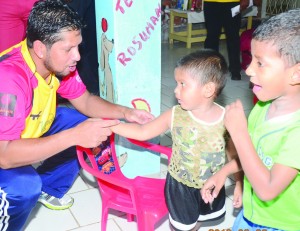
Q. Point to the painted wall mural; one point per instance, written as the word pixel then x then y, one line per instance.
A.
pixel 106 86
pixel 129 54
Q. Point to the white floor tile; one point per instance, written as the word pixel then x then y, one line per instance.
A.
pixel 163 225
pixel 92 227
pixel 87 206
pixel 165 140
pixel 45 219
pixel 79 185
pixel 111 226
pixel 124 224
pixel 88 179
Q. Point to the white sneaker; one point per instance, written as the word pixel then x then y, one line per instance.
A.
pixel 54 203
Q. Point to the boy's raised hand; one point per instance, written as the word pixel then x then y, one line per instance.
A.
pixel 235 119
pixel 138 116
pixel 238 195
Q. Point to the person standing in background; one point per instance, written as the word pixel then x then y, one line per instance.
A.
pixel 88 65
pixel 13 21
pixel 217 14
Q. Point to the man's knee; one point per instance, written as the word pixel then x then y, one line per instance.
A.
pixel 65 113
pixel 65 118
pixel 24 189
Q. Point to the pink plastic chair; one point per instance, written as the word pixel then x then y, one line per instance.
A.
pixel 142 197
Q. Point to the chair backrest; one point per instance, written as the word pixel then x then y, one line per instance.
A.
pixel 109 182
pixel 95 155
pixel 121 193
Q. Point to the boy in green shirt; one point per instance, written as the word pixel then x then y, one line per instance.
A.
pixel 268 145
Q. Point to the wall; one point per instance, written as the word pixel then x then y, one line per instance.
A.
pixel 129 53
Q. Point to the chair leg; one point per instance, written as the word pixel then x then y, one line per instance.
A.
pixel 189 36
pixel 130 217
pixel 145 223
pixel 104 218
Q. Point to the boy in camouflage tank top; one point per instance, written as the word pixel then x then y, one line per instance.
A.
pixel 199 139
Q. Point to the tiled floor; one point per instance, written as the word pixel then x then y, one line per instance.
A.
pixel 84 215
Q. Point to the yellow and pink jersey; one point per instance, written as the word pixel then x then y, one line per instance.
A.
pixel 27 101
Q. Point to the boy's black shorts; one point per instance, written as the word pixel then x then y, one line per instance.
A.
pixel 186 206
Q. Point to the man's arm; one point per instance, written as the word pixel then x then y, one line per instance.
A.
pixel 145 131
pixel 21 152
pixel 96 107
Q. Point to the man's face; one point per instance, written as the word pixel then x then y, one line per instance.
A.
pixel 62 57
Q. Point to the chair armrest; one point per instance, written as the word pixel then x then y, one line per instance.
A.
pixel 153 147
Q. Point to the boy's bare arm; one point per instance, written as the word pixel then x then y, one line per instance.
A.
pixel 144 131
pixel 232 155
pixel 238 189
pixel 267 183
pixel 238 176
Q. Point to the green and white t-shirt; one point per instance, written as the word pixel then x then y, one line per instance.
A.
pixel 276 141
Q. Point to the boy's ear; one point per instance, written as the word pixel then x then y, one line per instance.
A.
pixel 210 89
pixel 39 48
pixel 295 78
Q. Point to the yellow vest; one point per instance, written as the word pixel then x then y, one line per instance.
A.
pixel 43 108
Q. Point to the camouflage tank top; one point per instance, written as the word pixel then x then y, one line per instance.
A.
pixel 198 149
